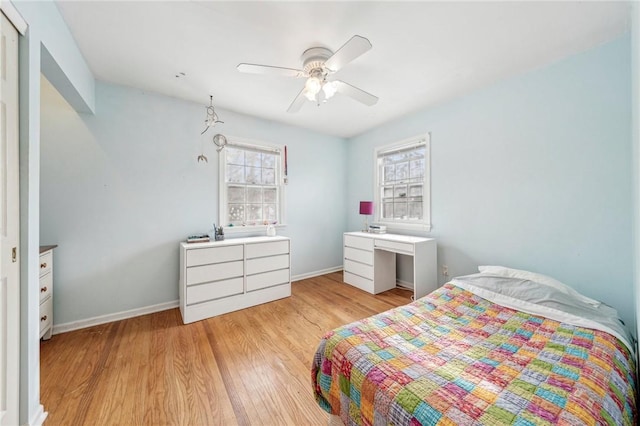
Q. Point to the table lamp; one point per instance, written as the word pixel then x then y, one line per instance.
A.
pixel 366 208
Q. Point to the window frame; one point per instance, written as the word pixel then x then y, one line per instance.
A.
pixel 250 144
pixel 378 170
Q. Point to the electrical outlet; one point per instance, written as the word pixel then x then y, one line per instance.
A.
pixel 445 270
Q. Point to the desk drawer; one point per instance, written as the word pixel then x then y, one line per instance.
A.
pixel 358 269
pixel 216 290
pixel 215 272
pixel 358 282
pixel 394 246
pixel 358 242
pixel 205 256
pixel 362 256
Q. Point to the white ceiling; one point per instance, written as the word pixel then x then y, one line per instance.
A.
pixel 423 53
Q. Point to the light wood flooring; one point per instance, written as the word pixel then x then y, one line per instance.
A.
pixel 250 367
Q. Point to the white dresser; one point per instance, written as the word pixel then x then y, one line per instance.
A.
pixel 46 291
pixel 370 261
pixel 225 276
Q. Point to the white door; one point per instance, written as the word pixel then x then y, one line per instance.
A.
pixel 9 226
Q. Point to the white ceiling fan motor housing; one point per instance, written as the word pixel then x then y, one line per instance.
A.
pixel 313 59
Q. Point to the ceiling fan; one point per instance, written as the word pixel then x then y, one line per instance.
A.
pixel 318 64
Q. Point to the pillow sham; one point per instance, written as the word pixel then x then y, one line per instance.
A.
pixel 539 278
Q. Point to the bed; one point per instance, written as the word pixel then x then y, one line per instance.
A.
pixel 488 349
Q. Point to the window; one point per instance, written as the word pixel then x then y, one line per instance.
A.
pixel 402 193
pixel 251 188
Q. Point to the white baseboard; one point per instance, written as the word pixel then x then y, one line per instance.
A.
pixel 316 273
pixel 103 319
pixel 405 284
pixel 38 418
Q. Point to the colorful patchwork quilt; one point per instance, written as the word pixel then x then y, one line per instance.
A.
pixel 454 358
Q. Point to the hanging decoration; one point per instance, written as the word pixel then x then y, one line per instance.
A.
pixel 212 118
pixel 219 140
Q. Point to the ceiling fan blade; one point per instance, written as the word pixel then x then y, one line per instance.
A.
pixel 355 47
pixel 297 102
pixel 357 94
pixel 269 70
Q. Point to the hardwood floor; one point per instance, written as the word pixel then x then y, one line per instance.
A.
pixel 250 367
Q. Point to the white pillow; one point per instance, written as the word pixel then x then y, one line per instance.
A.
pixel 539 278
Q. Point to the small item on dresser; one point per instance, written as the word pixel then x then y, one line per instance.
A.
pixel 198 238
pixel 271 230
pixel 378 229
pixel 219 233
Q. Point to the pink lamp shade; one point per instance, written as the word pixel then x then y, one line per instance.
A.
pixel 366 207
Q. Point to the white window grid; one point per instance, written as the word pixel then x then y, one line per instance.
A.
pixel 402 193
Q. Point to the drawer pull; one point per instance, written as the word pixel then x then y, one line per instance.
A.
pixel 43 265
pixel 43 289
pixel 44 318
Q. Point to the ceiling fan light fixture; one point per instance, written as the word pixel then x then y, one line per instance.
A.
pixel 329 88
pixel 310 95
pixel 313 85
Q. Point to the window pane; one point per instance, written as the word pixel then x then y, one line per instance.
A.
pixel 268 161
pixel 387 210
pixel 235 156
pixel 254 213
pixel 235 174
pixel 400 210
pixel 236 213
pixel 252 159
pixel 400 191
pixel 268 176
pixel 254 195
pixel 270 212
pixel 415 211
pixel 253 175
pixel 402 171
pixel 270 195
pixel 417 168
pixel 389 173
pixel 415 190
pixel 235 194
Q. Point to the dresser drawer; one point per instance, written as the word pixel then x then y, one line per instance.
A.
pixel 267 249
pixel 46 286
pixel 359 282
pixel 361 269
pixel 216 290
pixel 46 314
pixel 46 262
pixel 205 256
pixel 394 246
pixel 358 242
pixel 267 279
pixel 362 256
pixel 215 272
pixel 265 264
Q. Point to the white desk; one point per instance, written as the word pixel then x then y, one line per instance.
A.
pixel 370 261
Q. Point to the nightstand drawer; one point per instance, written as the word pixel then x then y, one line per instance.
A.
pixel 46 261
pixel 215 272
pixel 362 256
pixel 361 269
pixel 46 314
pixel 205 256
pixel 358 242
pixel 216 290
pixel 46 286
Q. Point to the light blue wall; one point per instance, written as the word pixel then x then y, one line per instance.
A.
pixel 635 102
pixel 532 172
pixel 120 190
pixel 46 47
